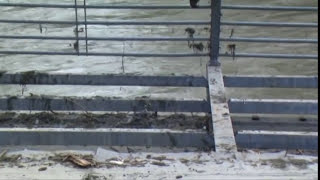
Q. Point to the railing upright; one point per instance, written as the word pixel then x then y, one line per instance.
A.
pixel 76 31
pixel 86 25
pixel 215 32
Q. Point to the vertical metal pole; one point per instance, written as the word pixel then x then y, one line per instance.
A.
pixel 76 46
pixel 215 32
pixel 85 24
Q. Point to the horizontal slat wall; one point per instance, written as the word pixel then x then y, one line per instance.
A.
pixel 105 137
pixel 101 104
pixel 154 137
pixel 276 106
pixel 289 124
pixel 276 140
pixel 271 81
pixel 186 81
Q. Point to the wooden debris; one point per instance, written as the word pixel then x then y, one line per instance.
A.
pixel 83 161
pixel 119 163
pixel 184 161
pixel 138 162
pixel 159 163
pixel 126 162
pixel 12 158
pixel 162 158
pixel 79 161
pixel 3 154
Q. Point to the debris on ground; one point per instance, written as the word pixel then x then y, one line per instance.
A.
pixel 91 176
pixel 2 154
pixel 83 161
pixel 6 158
pixel 88 120
pixel 143 165
pixel 119 163
pixel 79 161
pixel 178 177
pixel 278 163
pixel 184 161
pixel 42 169
pixel 138 162
pixel 159 163
pixel 162 158
pixel 129 162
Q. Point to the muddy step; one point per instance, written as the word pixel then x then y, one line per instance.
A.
pixel 109 120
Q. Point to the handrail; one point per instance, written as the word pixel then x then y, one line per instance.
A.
pixel 230 7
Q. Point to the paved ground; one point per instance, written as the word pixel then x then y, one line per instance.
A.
pixel 142 163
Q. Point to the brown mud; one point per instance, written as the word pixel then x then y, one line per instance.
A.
pixel 88 120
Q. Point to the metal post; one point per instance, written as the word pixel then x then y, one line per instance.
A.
pixel 76 31
pixel 86 26
pixel 215 32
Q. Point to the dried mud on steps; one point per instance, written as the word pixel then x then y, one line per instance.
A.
pixel 88 120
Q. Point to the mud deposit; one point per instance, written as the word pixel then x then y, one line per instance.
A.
pixel 88 120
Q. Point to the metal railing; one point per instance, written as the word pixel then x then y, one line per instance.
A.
pixel 214 44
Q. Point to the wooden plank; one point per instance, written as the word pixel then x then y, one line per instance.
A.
pixel 221 121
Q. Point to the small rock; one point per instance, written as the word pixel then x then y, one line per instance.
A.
pixel 42 169
pixel 178 177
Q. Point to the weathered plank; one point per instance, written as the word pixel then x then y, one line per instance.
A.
pixel 221 121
